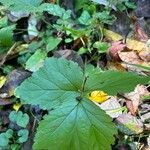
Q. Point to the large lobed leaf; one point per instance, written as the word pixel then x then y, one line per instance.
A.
pixel 74 123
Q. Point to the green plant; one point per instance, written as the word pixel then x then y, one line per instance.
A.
pixel 4 138
pixel 74 122
pixel 23 135
pixel 6 35
pixel 115 4
pixel 19 118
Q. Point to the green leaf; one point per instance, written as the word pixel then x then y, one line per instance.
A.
pixel 55 10
pixel 82 50
pixel 105 17
pixel 130 5
pixel 52 84
pixel 9 133
pixel 23 135
pixel 113 82
pixel 52 43
pixel 4 140
pixel 3 22
pixel 146 97
pixel 80 3
pixel 76 125
pixel 22 5
pixel 85 18
pixel 36 60
pixel 101 46
pixel 6 36
pixel 19 118
pixel 74 119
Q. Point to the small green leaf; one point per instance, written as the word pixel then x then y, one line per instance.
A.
pixel 23 135
pixel 68 40
pixel 36 60
pixel 85 18
pixel 55 10
pixel 105 17
pixel 3 140
pixel 130 5
pixel 121 6
pixel 82 50
pixel 52 43
pixel 102 47
pixel 19 118
pixel 9 133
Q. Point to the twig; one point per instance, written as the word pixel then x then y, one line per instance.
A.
pixel 8 53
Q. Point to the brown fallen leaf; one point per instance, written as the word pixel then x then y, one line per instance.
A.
pixel 134 98
pixel 13 80
pixel 129 57
pixel 139 32
pixel 145 53
pixel 115 48
pixel 4 119
pixel 4 102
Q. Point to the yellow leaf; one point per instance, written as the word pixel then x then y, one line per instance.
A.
pixel 2 80
pixel 17 106
pixel 98 96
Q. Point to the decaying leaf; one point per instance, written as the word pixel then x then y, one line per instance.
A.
pixel 112 107
pixel 36 60
pixel 13 80
pixel 145 54
pixel 134 98
pixel 15 16
pixel 139 33
pixel 115 48
pixel 4 101
pixel 130 57
pixel 129 124
pixel 145 117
